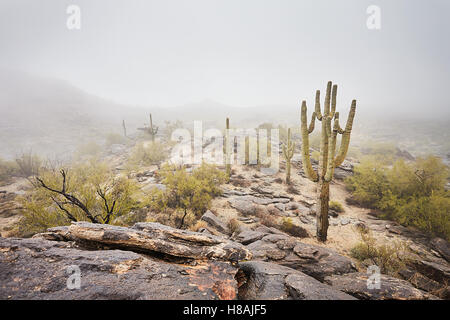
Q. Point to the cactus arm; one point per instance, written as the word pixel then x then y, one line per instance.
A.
pixel 317 106
pixel 306 159
pixel 312 123
pixel 337 125
pixel 326 108
pixel 333 100
pixel 331 149
pixel 346 136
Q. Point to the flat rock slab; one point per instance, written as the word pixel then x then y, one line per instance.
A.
pixel 313 260
pixel 38 269
pixel 268 281
pixel 153 238
pixel 211 219
pixel 249 236
pixel 356 285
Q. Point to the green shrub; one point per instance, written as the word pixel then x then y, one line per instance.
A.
pixel 336 206
pixel 391 259
pixel 92 183
pixel 234 226
pixel 187 193
pixel 412 193
pixel 288 226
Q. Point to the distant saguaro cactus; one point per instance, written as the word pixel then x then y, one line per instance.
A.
pixel 288 153
pixel 150 130
pixel 327 161
pixel 124 128
pixel 228 149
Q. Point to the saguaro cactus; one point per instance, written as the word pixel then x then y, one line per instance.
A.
pixel 228 149
pixel 124 128
pixel 152 130
pixel 288 153
pixel 328 159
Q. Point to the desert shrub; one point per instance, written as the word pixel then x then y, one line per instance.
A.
pixel 234 226
pixel 265 218
pixel 199 225
pixel 292 189
pixel 188 193
pixel 115 138
pixel 411 193
pixel 288 226
pixel 145 154
pixel 391 258
pixel 28 164
pixel 238 182
pixel 103 197
pixel 278 180
pixel 8 169
pixel 336 206
pixel 368 183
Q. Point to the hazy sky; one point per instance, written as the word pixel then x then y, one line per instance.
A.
pixel 238 52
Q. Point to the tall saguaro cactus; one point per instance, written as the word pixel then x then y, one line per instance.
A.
pixel 328 160
pixel 288 153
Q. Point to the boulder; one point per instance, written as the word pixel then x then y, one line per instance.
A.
pixel 211 219
pixel 258 280
pixel 245 207
pixel 41 269
pixel 153 238
pixel 356 285
pixel 249 236
pixel 315 261
pixel 442 246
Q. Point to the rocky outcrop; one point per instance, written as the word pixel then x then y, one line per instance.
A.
pixel 313 260
pixel 211 219
pixel 259 280
pixel 40 269
pixel 442 246
pixel 152 238
pixel 356 285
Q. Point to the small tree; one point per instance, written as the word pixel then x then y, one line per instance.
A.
pixel 85 192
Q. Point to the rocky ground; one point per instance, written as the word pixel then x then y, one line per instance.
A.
pixel 262 261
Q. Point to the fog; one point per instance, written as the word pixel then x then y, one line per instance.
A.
pixel 251 60
pixel 239 53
